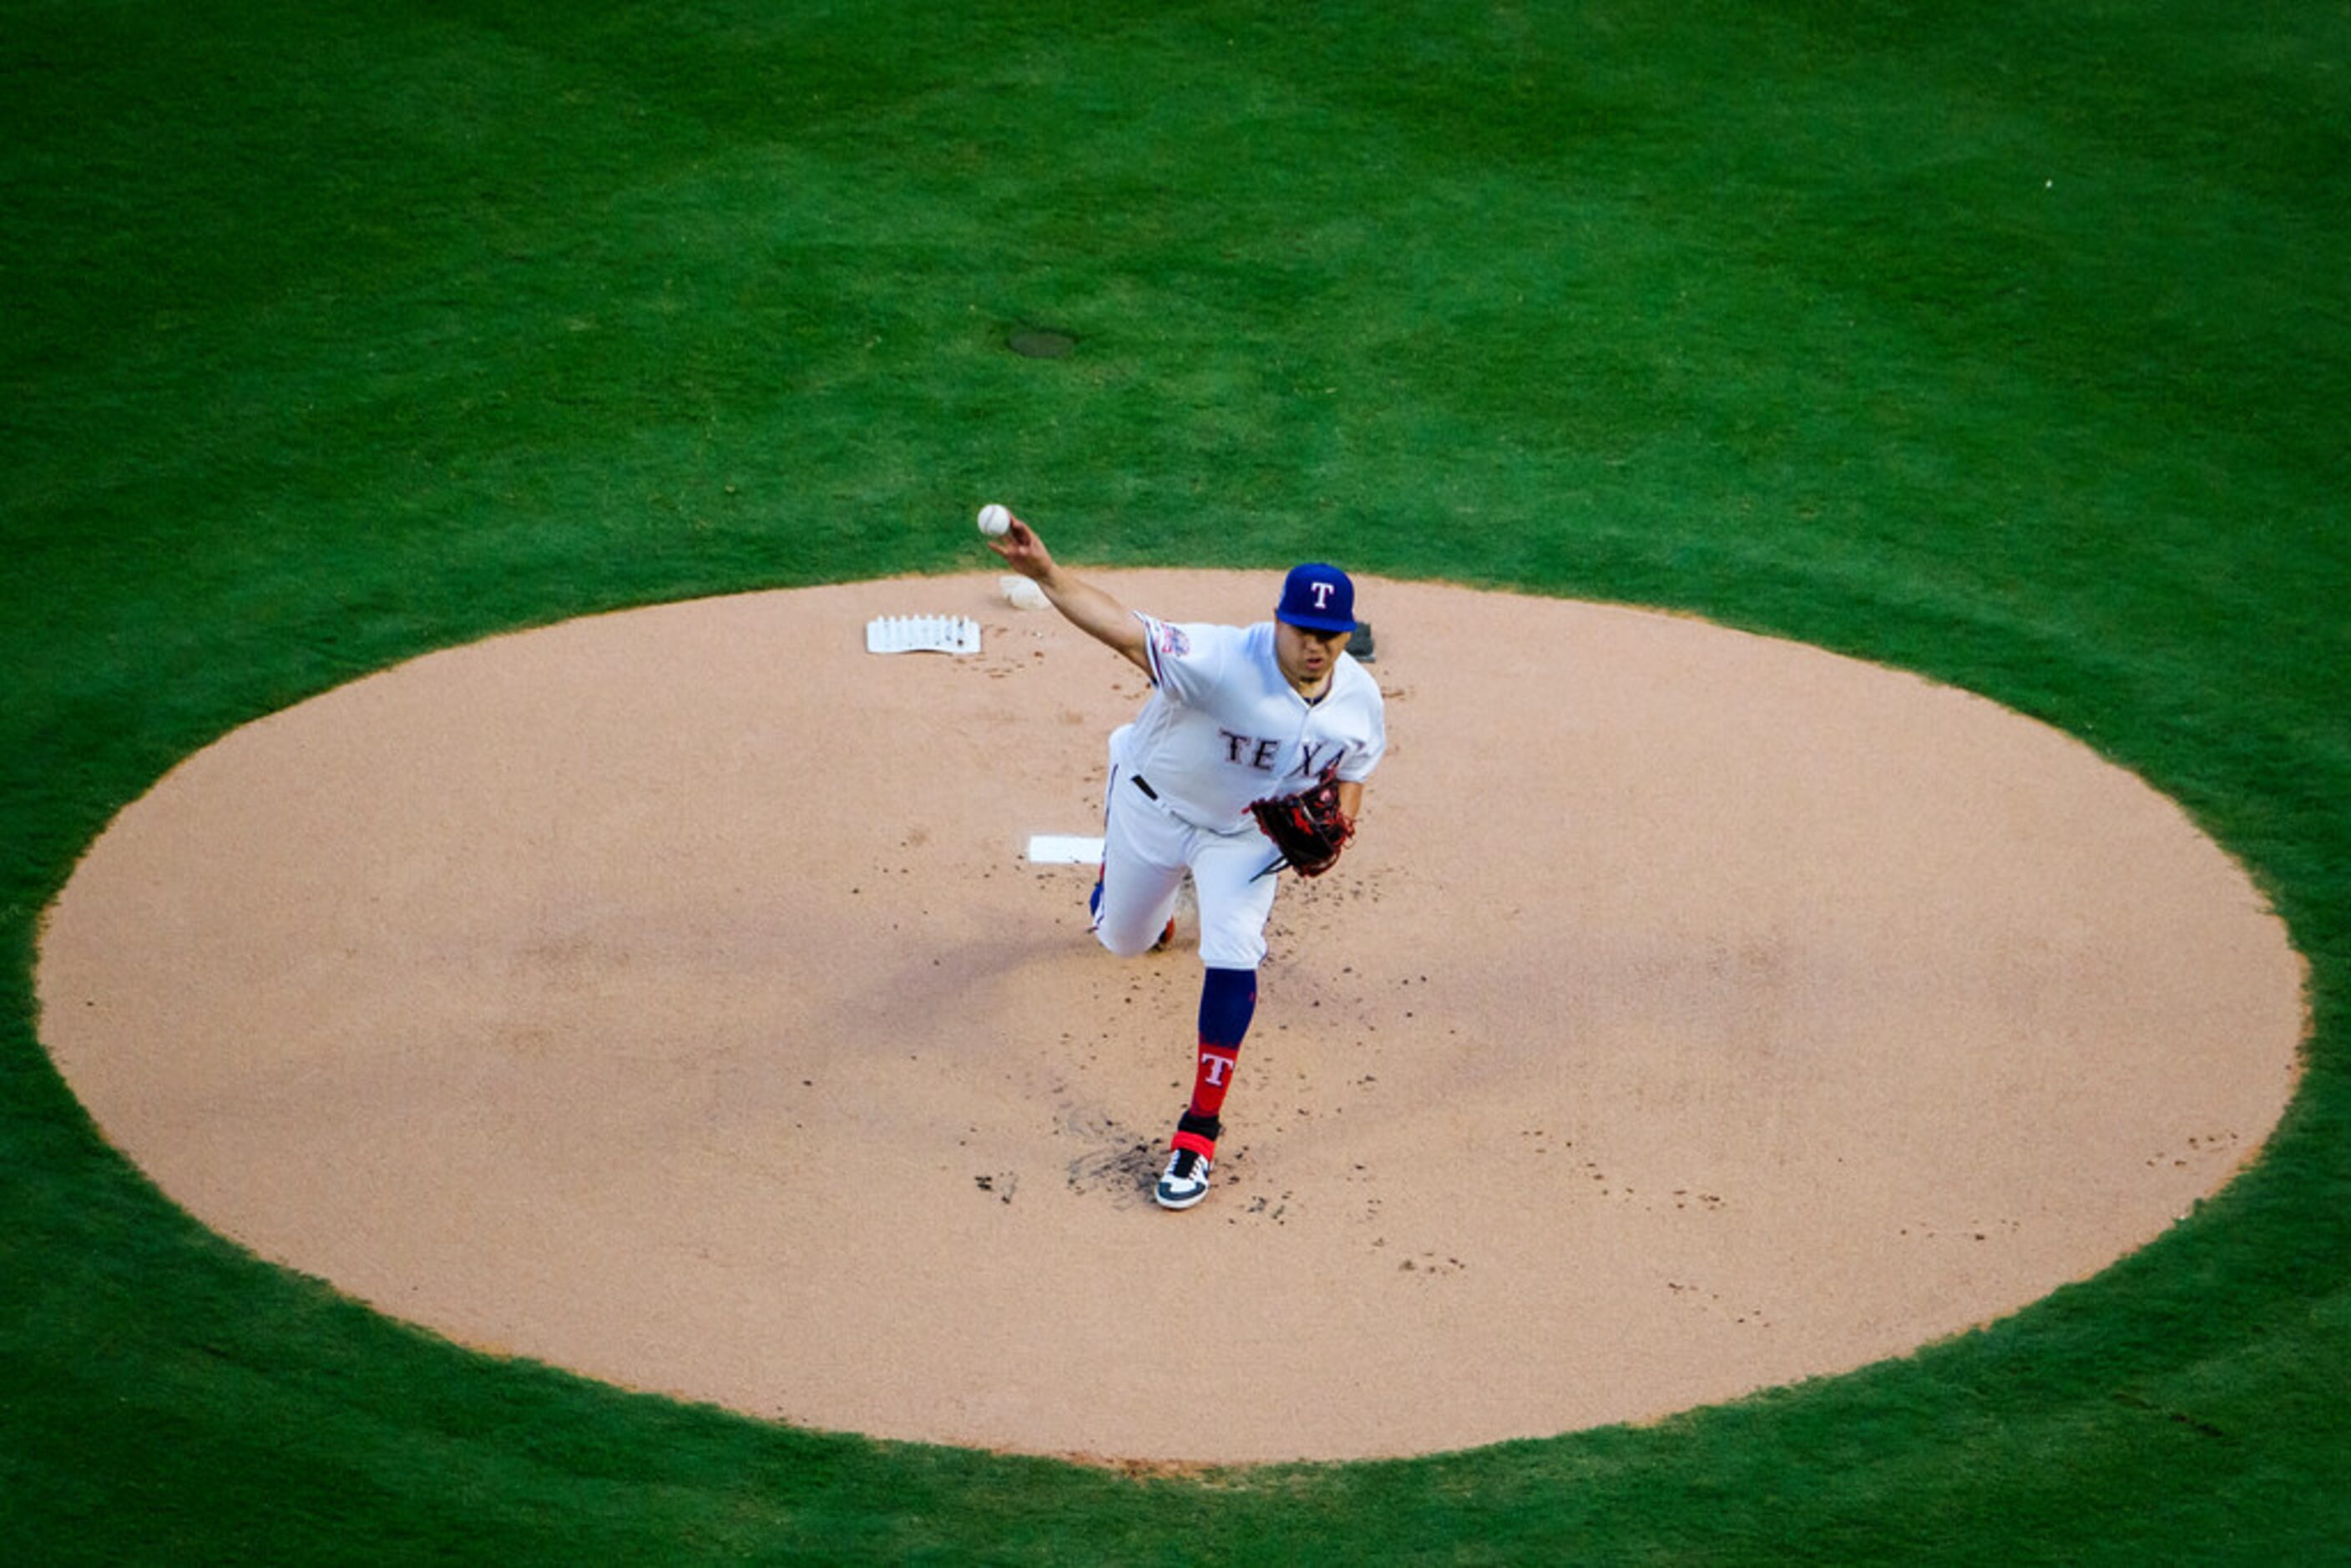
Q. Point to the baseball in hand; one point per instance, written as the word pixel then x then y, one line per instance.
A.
pixel 994 519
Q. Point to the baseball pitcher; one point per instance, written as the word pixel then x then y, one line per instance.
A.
pixel 1248 758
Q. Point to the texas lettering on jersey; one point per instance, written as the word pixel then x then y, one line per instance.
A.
pixel 1252 751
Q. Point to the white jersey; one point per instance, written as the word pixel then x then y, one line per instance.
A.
pixel 1223 728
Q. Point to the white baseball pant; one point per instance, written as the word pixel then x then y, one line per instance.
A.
pixel 1147 849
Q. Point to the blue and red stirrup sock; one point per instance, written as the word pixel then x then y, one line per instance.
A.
pixel 1227 1003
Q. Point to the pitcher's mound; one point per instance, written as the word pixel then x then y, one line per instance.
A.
pixel 667 996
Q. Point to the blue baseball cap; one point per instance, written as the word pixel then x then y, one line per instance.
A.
pixel 1318 597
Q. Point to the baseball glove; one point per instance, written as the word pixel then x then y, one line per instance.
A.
pixel 1308 828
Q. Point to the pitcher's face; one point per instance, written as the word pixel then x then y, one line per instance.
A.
pixel 1305 656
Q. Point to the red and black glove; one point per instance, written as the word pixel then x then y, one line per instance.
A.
pixel 1308 828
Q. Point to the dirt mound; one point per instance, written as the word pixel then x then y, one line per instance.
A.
pixel 667 995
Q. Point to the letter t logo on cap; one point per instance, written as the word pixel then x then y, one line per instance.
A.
pixel 1318 597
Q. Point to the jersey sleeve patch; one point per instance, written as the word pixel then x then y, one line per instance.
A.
pixel 1187 661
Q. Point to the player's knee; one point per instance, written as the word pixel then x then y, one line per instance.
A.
pixel 1232 950
pixel 1124 944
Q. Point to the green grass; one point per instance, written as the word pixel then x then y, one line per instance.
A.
pixel 2006 344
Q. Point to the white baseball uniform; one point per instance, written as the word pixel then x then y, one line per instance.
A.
pixel 1221 729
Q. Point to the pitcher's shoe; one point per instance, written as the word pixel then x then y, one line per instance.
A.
pixel 1185 1181
pixel 1192 1154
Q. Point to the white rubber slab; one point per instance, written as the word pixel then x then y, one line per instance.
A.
pixel 1060 849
